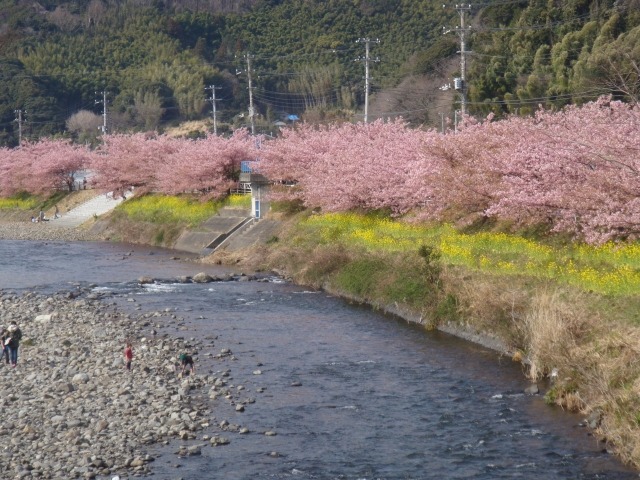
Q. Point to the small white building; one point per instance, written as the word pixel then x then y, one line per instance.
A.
pixel 259 188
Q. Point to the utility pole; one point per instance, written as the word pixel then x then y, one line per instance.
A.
pixel 367 78
pixel 19 120
pixel 104 110
pixel 213 89
pixel 460 84
pixel 251 110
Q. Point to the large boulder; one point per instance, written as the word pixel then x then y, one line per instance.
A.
pixel 202 278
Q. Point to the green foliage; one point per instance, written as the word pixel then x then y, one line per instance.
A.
pixel 447 309
pixel 155 60
pixel 53 199
pixel 34 96
pixel 159 237
pixel 427 60
pixel 304 49
pixel 551 396
pixel 360 277
pixel 552 55
pixel 290 207
pixel 431 267
pixel 409 288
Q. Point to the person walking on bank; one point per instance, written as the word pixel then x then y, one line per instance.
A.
pixel 15 335
pixel 128 355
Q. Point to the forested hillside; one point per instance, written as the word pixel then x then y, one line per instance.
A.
pixel 158 63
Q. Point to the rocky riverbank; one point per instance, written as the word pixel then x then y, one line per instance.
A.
pixel 44 231
pixel 70 407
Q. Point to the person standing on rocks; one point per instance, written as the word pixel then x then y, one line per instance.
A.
pixel 186 360
pixel 4 338
pixel 13 342
pixel 128 355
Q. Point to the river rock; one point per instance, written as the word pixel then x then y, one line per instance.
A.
pixel 80 378
pixel 202 278
pixel 594 419
pixel 190 451
pixel 217 441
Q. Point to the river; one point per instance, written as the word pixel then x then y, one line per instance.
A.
pixel 350 393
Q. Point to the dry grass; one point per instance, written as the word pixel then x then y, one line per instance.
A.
pixel 596 359
pixel 490 303
pixel 118 228
pixel 552 327
pixel 186 127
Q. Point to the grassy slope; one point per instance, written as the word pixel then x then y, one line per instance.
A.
pixel 21 209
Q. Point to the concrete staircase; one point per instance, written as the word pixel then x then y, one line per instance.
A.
pixel 214 231
pixel 255 231
pixel 97 206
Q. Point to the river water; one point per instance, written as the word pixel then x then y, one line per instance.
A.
pixel 351 393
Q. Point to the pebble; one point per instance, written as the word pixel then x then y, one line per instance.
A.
pixel 45 232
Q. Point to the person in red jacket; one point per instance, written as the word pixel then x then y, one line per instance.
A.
pixel 128 355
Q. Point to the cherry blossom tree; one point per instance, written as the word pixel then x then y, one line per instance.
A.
pixel 158 163
pixel 576 170
pixel 41 168
pixel 209 166
pixel 579 169
pixel 347 166
pixel 124 161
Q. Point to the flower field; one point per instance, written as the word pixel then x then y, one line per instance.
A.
pixel 608 269
pixel 27 203
pixel 162 209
